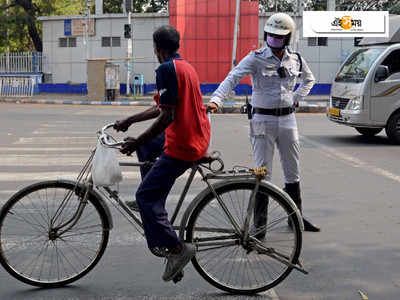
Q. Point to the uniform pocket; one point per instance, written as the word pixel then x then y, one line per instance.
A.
pixel 294 72
pixel 269 70
pixel 256 129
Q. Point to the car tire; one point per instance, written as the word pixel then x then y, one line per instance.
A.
pixel 393 128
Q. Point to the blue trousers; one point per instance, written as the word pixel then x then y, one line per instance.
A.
pixel 149 152
pixel 151 196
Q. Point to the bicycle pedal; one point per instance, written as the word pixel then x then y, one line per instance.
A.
pixel 178 277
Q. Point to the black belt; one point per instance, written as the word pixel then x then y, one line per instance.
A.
pixel 273 111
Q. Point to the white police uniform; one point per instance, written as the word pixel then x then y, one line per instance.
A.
pixel 270 91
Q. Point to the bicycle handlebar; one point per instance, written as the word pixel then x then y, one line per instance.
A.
pixel 106 138
pixel 105 141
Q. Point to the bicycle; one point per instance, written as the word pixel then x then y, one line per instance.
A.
pixel 52 233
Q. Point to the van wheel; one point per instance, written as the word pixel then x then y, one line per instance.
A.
pixel 393 128
pixel 368 131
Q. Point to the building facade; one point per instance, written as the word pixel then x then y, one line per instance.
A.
pixel 66 50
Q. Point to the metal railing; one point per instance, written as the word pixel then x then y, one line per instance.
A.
pixel 17 86
pixel 21 62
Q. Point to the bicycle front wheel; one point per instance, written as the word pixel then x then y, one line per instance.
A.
pixel 34 252
pixel 224 258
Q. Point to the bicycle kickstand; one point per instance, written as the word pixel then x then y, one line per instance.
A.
pixel 178 277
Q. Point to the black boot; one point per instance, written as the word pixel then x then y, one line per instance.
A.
pixel 293 189
pixel 260 216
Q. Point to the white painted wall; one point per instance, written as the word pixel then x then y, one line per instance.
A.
pixel 69 64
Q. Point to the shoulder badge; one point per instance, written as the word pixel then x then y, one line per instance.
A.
pixel 260 51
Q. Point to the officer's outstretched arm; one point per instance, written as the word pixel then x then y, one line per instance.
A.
pixel 246 66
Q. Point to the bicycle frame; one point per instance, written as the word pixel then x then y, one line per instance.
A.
pixel 226 175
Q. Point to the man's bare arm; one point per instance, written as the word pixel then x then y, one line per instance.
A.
pixel 165 118
pixel 124 124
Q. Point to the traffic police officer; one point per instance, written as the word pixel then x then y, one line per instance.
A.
pixel 273 71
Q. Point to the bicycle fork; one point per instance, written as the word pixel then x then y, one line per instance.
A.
pixel 74 219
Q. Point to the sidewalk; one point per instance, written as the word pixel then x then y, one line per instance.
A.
pixel 313 103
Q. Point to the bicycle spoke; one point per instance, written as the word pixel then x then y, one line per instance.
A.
pixel 21 243
pixel 24 220
pixel 75 229
pixel 227 260
pixel 38 210
pixel 35 259
pixel 75 253
pixel 81 244
pixel 80 233
pixel 41 254
pixel 66 259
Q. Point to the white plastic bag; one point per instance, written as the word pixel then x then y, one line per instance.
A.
pixel 105 166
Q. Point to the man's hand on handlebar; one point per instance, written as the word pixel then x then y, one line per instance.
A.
pixel 211 107
pixel 129 146
pixel 122 125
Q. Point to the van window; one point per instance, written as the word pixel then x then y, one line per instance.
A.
pixel 357 65
pixel 393 62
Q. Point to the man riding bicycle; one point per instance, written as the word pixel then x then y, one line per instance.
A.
pixel 181 115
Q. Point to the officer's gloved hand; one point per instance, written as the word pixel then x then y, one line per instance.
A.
pixel 211 107
pixel 296 100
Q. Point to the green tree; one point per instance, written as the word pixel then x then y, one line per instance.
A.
pixel 156 5
pixel 278 5
pixel 393 6
pixel 315 5
pixel 18 18
pixel 139 6
pixel 112 6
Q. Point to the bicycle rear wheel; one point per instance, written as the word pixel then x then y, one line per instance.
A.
pixel 30 249
pixel 228 263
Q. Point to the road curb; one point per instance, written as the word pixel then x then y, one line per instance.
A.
pixel 229 107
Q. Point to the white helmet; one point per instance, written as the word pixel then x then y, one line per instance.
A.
pixel 281 24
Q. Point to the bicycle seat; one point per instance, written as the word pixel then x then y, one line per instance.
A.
pixel 206 159
pixel 209 158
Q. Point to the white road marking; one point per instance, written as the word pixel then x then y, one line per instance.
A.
pixel 8 192
pixel 62 140
pixel 126 112
pixel 271 293
pixel 39 176
pixel 353 161
pixel 61 132
pixel 53 159
pixel 42 149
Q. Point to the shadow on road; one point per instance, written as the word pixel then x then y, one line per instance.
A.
pixel 352 140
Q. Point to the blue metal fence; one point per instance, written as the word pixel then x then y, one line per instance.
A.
pixel 19 84
pixel 21 62
pixel 206 89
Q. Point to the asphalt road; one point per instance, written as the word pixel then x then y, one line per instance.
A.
pixel 350 188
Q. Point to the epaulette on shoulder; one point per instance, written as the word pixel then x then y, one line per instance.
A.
pixel 260 51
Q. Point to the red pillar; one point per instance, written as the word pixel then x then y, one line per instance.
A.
pixel 206 29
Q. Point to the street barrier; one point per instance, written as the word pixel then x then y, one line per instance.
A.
pixel 11 86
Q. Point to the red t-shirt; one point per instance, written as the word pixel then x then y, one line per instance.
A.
pixel 188 136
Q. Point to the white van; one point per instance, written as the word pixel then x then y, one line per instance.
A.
pixel 365 93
